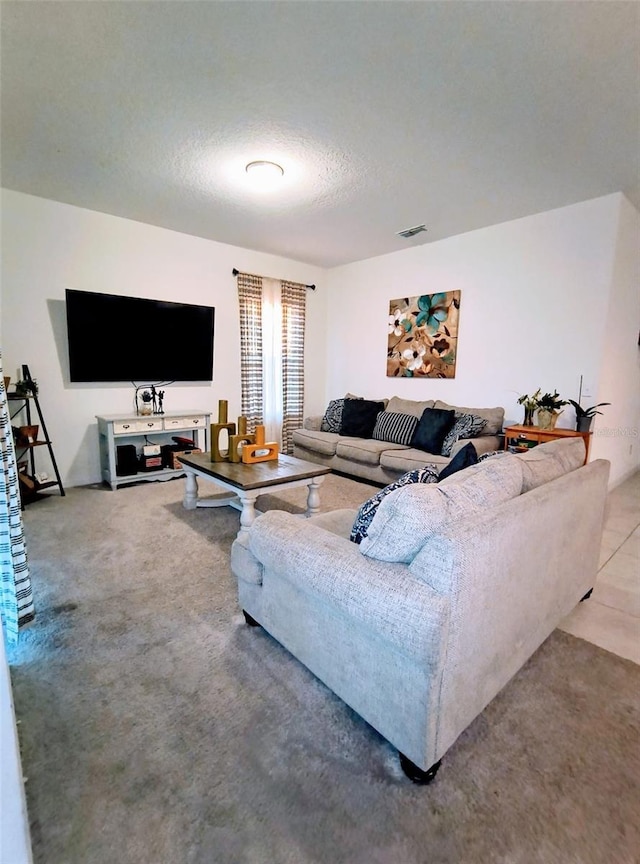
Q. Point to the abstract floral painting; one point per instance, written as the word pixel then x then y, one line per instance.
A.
pixel 423 336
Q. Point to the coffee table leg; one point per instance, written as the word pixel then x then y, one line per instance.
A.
pixel 248 512
pixel 313 498
pixel 190 500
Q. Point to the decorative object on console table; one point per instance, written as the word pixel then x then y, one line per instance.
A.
pixel 243 437
pixel 529 403
pixel 254 452
pixel 549 407
pixel 585 416
pixel 216 431
pixel 522 437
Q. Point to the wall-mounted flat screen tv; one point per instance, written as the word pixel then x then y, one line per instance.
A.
pixel 115 338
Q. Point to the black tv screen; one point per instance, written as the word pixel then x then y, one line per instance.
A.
pixel 115 338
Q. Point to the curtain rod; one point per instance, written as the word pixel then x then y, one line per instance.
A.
pixel 237 272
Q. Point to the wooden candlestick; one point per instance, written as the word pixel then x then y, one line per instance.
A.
pixel 217 455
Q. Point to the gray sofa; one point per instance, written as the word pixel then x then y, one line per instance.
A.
pixel 452 590
pixel 383 462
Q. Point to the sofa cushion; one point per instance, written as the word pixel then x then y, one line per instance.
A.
pixel 465 426
pixel 364 450
pixel 332 420
pixel 408 406
pixel 407 517
pixel 432 429
pixel 546 462
pixel 403 459
pixel 395 427
pixel 464 458
pixel 493 416
pixel 359 417
pixel 367 511
pixel 324 443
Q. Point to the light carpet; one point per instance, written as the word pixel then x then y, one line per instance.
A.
pixel 157 728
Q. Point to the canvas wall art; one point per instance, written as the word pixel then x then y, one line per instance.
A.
pixel 423 336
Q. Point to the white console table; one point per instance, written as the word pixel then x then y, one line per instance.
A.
pixel 117 429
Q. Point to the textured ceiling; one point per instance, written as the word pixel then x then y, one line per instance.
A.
pixel 384 115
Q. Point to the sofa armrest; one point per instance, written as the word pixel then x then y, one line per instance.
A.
pixel 312 423
pixel 483 444
pixel 386 598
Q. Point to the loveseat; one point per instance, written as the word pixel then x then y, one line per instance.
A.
pixel 383 461
pixel 453 588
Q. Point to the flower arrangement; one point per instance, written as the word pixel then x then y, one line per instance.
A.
pixel 551 401
pixel 530 403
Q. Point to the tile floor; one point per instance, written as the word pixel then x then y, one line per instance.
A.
pixel 611 617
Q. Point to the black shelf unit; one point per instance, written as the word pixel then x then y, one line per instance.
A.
pixel 19 403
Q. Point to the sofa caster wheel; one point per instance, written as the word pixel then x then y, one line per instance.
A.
pixel 587 595
pixel 417 775
pixel 250 621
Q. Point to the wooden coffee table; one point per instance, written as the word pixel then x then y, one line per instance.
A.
pixel 245 482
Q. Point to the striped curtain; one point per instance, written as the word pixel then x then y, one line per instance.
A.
pixel 255 359
pixel 16 597
pixel 250 300
pixel 294 299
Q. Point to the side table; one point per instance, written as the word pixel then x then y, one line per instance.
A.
pixel 515 434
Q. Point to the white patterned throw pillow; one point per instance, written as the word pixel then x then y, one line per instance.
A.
pixel 428 474
pixel 332 420
pixel 465 426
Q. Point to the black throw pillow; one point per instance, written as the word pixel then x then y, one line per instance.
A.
pixel 464 458
pixel 359 417
pixel 432 428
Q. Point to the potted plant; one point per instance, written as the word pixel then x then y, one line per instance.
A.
pixel 584 416
pixel 549 409
pixel 529 403
pixel 27 387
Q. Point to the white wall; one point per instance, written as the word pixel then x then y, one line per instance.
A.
pixel 617 431
pixel 536 294
pixel 545 299
pixel 47 247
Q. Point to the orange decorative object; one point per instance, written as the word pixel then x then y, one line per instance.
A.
pixel 256 452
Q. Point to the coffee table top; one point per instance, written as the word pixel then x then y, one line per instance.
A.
pixel 257 475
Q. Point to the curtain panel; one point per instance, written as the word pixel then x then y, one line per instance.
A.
pixel 16 596
pixel 250 302
pixel 272 329
pixel 294 300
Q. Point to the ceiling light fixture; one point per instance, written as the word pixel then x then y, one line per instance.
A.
pixel 264 173
pixel 411 232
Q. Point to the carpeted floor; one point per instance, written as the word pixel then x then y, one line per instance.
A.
pixel 157 728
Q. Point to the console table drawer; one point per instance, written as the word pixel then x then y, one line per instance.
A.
pixel 185 423
pixel 125 427
pixel 133 427
pixel 150 425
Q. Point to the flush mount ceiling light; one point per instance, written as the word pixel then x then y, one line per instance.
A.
pixel 411 232
pixel 263 173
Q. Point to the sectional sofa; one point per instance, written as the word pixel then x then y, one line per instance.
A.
pixel 454 587
pixel 383 462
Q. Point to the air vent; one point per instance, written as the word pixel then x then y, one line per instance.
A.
pixel 411 232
